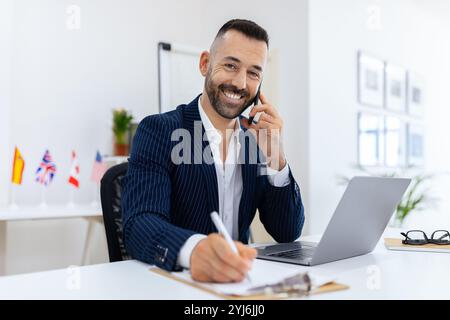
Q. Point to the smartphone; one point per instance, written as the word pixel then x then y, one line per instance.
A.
pixel 255 102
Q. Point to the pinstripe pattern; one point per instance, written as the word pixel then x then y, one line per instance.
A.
pixel 164 204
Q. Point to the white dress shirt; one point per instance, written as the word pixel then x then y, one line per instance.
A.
pixel 229 183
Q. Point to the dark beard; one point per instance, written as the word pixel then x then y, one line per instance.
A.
pixel 222 108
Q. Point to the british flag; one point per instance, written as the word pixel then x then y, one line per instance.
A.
pixel 46 170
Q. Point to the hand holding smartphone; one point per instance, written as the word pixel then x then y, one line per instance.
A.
pixel 255 102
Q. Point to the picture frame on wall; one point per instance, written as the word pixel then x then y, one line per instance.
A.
pixel 415 95
pixel 370 139
pixel 395 142
pixel 416 144
pixel 396 88
pixel 370 80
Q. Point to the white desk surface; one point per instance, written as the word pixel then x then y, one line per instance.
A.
pixel 49 212
pixel 382 274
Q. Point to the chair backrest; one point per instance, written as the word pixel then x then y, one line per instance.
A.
pixel 111 191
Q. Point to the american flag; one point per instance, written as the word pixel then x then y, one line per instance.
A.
pixel 46 170
pixel 99 168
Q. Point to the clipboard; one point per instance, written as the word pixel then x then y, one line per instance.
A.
pixel 329 287
pixel 396 244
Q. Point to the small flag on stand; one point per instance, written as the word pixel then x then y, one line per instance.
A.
pixel 74 171
pixel 46 170
pixel 99 168
pixel 18 167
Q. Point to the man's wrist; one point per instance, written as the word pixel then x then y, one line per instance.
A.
pixel 279 178
pixel 279 164
pixel 184 256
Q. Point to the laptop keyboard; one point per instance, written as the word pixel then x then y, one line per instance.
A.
pixel 299 253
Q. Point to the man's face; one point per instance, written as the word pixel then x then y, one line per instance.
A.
pixel 234 73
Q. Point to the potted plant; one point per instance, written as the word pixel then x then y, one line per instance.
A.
pixel 121 125
pixel 414 199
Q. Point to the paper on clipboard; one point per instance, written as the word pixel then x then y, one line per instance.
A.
pixel 263 273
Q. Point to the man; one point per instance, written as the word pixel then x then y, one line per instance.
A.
pixel 167 203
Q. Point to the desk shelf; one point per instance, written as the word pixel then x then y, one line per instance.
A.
pixel 29 212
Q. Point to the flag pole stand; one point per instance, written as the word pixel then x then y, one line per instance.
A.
pixel 95 202
pixel 13 205
pixel 71 203
pixel 43 204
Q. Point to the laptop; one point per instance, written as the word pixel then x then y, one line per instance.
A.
pixel 355 228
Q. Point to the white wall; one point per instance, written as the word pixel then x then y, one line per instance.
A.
pixel 5 94
pixel 413 34
pixel 65 83
pixel 436 60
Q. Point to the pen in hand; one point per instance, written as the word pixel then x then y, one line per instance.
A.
pixel 223 231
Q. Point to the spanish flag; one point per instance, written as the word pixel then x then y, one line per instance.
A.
pixel 18 166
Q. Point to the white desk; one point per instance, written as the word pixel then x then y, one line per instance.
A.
pixel 382 274
pixel 93 214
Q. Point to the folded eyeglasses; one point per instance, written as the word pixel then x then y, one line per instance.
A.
pixel 418 237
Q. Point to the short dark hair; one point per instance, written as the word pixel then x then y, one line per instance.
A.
pixel 246 27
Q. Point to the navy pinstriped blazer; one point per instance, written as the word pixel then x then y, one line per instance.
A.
pixel 163 203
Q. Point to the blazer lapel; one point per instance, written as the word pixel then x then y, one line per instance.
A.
pixel 249 173
pixel 192 122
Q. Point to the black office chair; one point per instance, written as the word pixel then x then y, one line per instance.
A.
pixel 110 191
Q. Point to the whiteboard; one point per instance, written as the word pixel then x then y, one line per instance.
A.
pixel 180 80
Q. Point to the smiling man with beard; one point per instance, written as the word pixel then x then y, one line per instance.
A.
pixel 166 205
